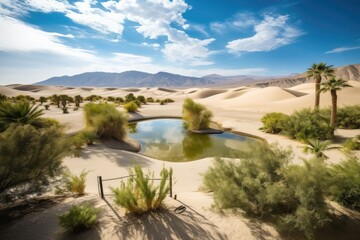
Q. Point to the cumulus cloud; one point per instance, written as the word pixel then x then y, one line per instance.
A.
pixel 271 33
pixel 343 49
pixel 192 52
pixel 12 40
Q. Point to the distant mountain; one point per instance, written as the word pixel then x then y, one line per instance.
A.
pixel 349 72
pixel 126 79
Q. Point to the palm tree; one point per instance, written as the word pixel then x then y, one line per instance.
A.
pixel 318 71
pixel 317 147
pixel 19 113
pixel 333 85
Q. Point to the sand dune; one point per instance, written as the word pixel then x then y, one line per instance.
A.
pixel 205 93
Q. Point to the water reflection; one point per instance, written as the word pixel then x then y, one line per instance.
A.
pixel 166 139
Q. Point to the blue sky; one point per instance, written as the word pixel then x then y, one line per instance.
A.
pixel 45 38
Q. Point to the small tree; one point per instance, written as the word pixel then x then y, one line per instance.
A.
pixel 42 99
pixel 78 99
pixel 130 97
pixel 56 100
pixel 64 99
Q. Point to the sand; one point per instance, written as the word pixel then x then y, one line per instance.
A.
pixel 238 108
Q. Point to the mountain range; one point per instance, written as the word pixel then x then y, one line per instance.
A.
pixel 165 79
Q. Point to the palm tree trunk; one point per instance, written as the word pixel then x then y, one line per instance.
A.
pixel 317 93
pixel 333 111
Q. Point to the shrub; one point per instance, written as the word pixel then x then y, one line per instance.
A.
pixel 3 97
pixel 141 99
pixel 308 124
pixel 162 102
pixel 150 100
pixel 130 97
pixel 31 156
pixel 105 120
pixel 263 183
pixel 65 110
pixel 274 122
pixel 139 195
pixel 349 117
pixel 345 185
pixel 79 218
pixel 76 184
pixel 352 144
pixel 76 108
pixel 47 107
pixel 196 115
pixel 168 100
pixel 131 106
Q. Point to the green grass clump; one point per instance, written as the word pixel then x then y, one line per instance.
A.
pixel 76 183
pixel 131 106
pixel 352 144
pixel 79 218
pixel 196 115
pixel 274 122
pixel 139 194
pixel 104 120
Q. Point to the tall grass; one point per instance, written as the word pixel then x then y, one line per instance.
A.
pixel 76 183
pixel 196 115
pixel 105 120
pixel 140 194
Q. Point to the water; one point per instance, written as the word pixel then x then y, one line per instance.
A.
pixel 166 139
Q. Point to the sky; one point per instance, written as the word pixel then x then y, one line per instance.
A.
pixel 40 39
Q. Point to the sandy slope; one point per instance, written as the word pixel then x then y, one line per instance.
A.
pixel 238 108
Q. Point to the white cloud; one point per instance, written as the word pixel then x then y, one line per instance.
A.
pixel 153 45
pixel 131 59
pixel 13 32
pixel 238 22
pixel 271 33
pixel 191 52
pixel 343 49
pixel 48 6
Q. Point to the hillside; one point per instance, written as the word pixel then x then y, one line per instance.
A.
pixel 349 72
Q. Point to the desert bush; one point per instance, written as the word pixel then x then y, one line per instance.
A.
pixel 349 117
pixel 196 115
pixel 3 97
pixel 308 124
pixel 309 184
pixel 42 99
pixel 141 99
pixel 110 99
pixel 263 183
pixel 131 106
pixel 150 100
pixel 105 120
pixel 352 144
pixel 79 218
pixel 76 183
pixel 65 110
pixel 130 97
pixel 345 182
pixel 274 122
pixel 168 100
pixel 139 194
pixel 162 102
pixel 31 156
pixel 47 107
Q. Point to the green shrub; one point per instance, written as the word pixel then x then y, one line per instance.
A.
pixel 141 99
pixel 47 107
pixel 196 115
pixel 352 144
pixel 349 117
pixel 105 120
pixel 162 102
pixel 168 100
pixel 150 100
pixel 139 194
pixel 79 218
pixel 308 124
pixel 263 183
pixel 274 122
pixel 309 184
pixel 76 184
pixel 345 182
pixel 130 97
pixel 31 155
pixel 65 110
pixel 131 106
